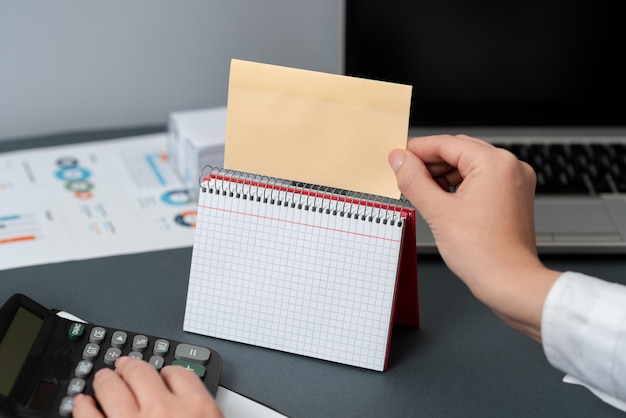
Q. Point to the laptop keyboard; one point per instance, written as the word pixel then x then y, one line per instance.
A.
pixel 577 169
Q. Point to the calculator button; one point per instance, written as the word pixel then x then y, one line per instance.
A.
pixel 157 362
pixel 67 404
pixel 77 385
pixel 161 346
pixel 136 354
pixel 118 339
pixel 91 351
pixel 76 331
pixel 140 342
pixel 97 335
pixel 83 369
pixel 112 354
pixel 192 352
pixel 197 368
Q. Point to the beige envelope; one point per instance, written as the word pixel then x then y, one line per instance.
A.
pixel 313 127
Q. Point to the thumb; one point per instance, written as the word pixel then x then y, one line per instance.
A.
pixel 415 181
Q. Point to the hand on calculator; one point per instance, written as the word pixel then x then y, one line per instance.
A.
pixel 135 389
pixel 50 362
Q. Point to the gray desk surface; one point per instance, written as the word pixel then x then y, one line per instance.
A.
pixel 463 362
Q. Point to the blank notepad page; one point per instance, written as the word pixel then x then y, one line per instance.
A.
pixel 294 270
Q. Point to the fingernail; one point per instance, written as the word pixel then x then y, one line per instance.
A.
pixel 121 360
pixel 396 159
pixel 78 397
pixel 99 372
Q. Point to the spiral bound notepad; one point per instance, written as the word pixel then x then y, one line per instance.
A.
pixel 300 268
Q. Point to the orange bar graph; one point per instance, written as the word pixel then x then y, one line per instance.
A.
pixel 17 239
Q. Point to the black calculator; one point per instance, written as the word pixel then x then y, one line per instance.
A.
pixel 45 359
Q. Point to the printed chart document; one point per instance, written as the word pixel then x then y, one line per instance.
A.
pixel 91 200
pixel 234 405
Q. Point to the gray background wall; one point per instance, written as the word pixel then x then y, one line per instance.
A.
pixel 73 64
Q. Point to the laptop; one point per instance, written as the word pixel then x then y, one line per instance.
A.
pixel 539 77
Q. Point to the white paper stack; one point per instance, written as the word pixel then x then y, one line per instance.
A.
pixel 196 138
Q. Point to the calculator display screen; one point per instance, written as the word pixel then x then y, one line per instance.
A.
pixel 15 346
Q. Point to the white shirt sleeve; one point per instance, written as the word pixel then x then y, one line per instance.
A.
pixel 583 328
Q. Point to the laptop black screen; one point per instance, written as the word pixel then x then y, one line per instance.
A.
pixel 530 63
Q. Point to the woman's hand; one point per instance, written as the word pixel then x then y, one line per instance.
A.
pixel 484 230
pixel 135 389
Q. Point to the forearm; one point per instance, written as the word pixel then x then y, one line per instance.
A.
pixel 516 293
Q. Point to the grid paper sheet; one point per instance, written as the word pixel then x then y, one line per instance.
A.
pixel 299 280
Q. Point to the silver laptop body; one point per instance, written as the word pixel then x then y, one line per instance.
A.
pixel 534 72
pixel 564 223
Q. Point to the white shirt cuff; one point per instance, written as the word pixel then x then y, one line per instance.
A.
pixel 583 330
